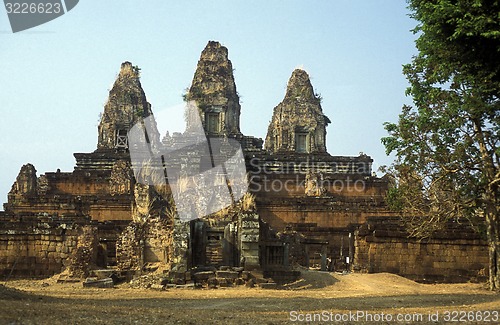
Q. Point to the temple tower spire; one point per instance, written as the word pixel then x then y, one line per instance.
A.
pixel 126 106
pixel 298 123
pixel 214 91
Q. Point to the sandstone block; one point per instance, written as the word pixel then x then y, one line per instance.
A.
pixel 270 285
pixel 203 276
pixel 227 274
pixel 93 283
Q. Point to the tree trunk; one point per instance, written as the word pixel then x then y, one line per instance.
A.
pixel 494 251
pixel 491 209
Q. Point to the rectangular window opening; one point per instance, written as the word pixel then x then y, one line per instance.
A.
pixel 121 139
pixel 301 142
pixel 212 121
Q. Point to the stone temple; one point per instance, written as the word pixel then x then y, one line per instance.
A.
pixel 304 207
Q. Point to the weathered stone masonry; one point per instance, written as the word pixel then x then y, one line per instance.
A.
pixel 306 206
pixel 42 245
pixel 458 254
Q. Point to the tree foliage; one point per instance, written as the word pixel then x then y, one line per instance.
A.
pixel 447 145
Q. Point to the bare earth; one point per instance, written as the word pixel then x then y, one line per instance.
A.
pixel 327 298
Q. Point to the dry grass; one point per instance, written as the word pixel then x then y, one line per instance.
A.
pixel 248 202
pixel 70 303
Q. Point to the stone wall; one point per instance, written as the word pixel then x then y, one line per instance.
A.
pixel 457 254
pixel 84 257
pixel 320 199
pixel 91 192
pixel 41 245
pixel 147 242
pixel 32 246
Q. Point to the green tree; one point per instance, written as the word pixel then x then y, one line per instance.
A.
pixel 446 146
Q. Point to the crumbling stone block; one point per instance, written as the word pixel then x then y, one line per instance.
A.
pixel 250 283
pixel 158 287
pixel 95 283
pixel 224 283
pixel 227 274
pixel 203 276
pixel 212 283
pixel 246 275
pixel 268 285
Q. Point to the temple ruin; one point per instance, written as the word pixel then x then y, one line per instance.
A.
pixel 304 206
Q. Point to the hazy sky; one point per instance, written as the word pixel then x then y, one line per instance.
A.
pixel 55 78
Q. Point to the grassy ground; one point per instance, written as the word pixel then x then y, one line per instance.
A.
pixel 326 298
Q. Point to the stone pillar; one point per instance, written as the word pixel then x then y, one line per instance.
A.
pixel 306 248
pixel 249 240
pixel 230 253
pixel 182 237
pixel 323 257
pixel 286 252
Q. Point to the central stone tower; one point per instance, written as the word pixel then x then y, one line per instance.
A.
pixel 214 91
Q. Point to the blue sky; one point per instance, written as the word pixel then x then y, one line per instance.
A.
pixel 55 78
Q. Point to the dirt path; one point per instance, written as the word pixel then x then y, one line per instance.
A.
pixel 334 298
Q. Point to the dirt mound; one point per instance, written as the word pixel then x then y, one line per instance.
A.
pixel 377 284
pixel 311 279
pixel 356 283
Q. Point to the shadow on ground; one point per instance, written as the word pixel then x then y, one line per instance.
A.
pixel 17 307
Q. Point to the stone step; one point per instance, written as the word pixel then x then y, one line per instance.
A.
pixel 227 274
pixel 268 285
pixel 203 276
pixel 95 283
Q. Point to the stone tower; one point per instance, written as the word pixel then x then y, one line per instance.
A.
pixel 126 106
pixel 214 91
pixel 26 185
pixel 298 123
